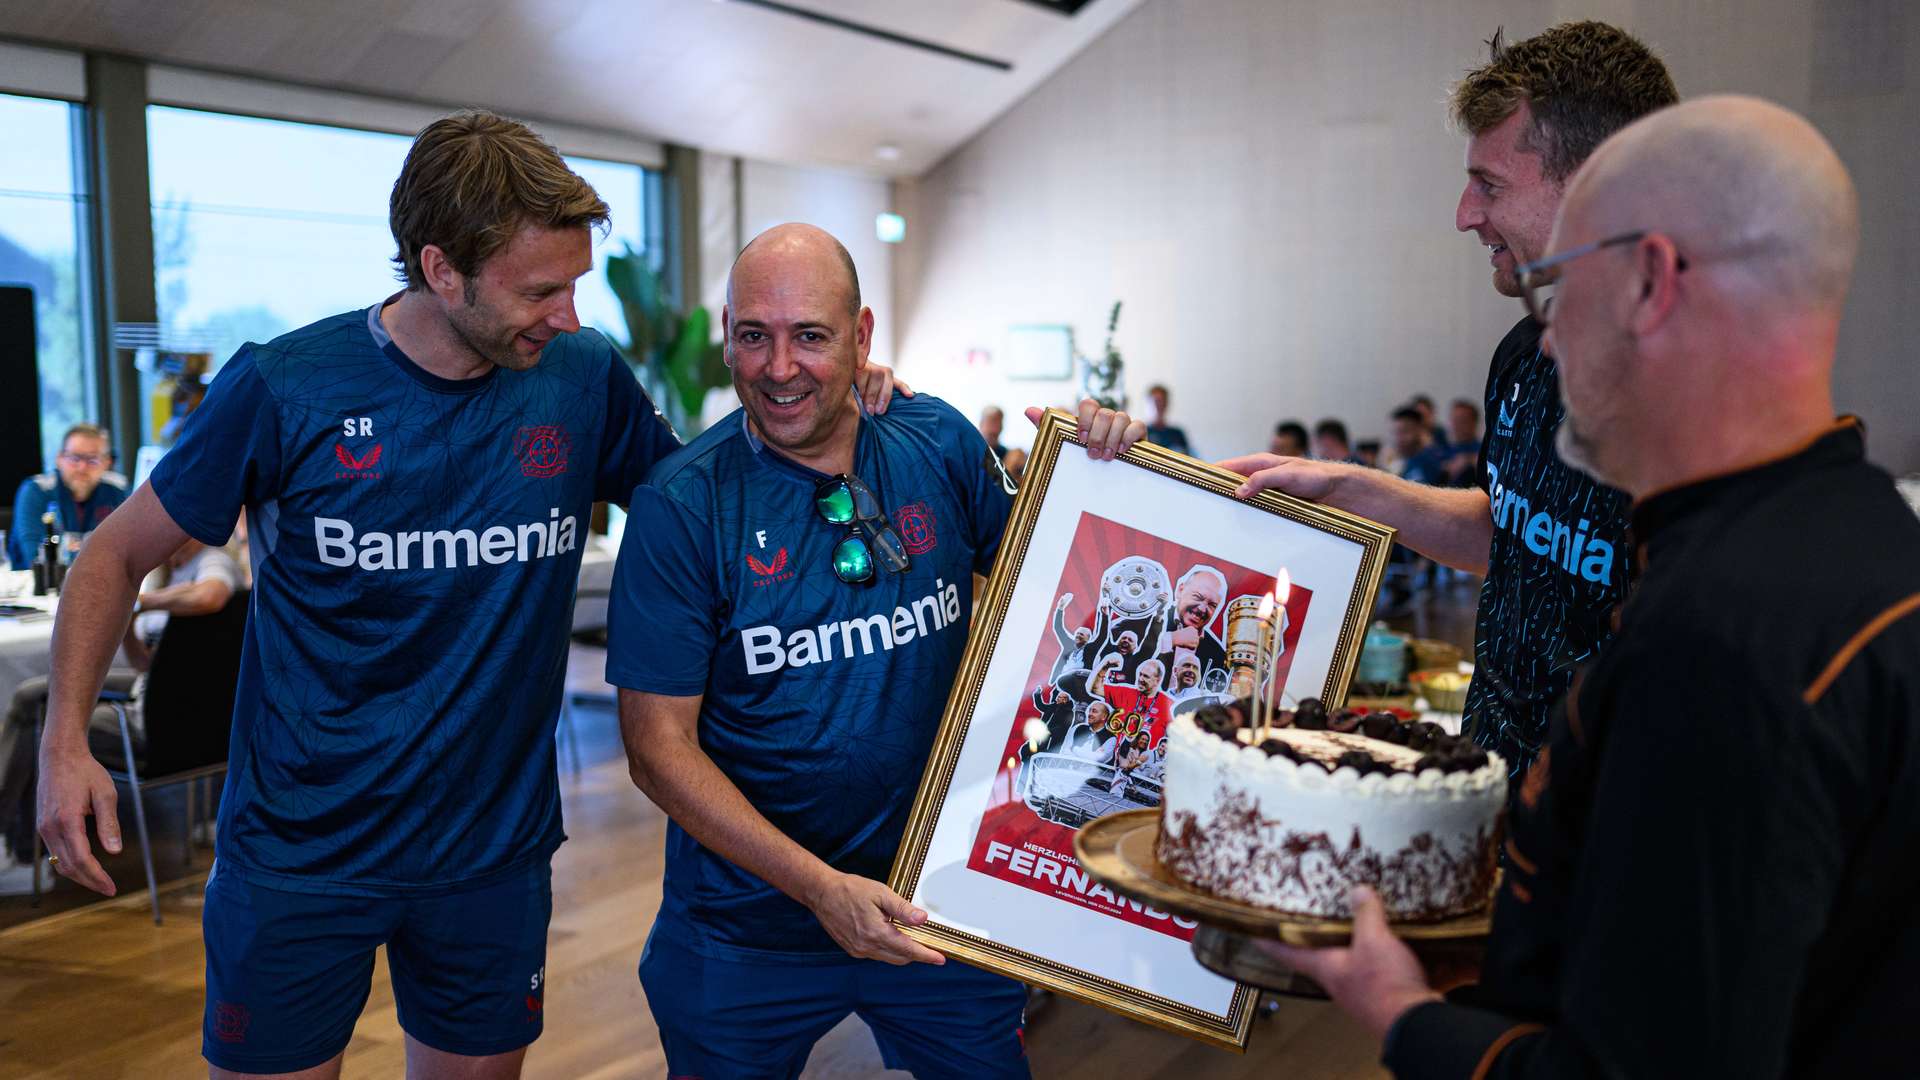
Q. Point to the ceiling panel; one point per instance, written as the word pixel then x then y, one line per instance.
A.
pixel 723 75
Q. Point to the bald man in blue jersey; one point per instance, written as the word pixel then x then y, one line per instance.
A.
pixel 417 476
pixel 784 637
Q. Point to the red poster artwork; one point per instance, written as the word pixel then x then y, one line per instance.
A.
pixel 1141 630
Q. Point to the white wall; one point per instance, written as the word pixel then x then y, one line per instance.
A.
pixel 767 194
pixel 1269 186
pixel 842 203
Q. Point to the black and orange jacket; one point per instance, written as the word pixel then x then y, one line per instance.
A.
pixel 1714 869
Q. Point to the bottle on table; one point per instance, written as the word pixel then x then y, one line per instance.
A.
pixel 48 568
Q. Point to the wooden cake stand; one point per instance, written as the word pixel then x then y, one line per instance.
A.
pixel 1117 850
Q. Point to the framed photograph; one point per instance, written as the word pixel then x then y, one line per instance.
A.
pixel 1124 595
pixel 1039 351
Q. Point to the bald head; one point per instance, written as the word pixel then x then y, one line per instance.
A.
pixel 1700 337
pixel 805 248
pixel 1748 191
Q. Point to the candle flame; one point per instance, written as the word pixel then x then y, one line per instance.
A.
pixel 1282 586
pixel 1266 607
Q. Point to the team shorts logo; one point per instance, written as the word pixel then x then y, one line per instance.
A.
pixel 915 523
pixel 230 1022
pixel 356 466
pixel 542 450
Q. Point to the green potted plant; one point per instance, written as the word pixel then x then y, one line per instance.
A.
pixel 1103 380
pixel 673 354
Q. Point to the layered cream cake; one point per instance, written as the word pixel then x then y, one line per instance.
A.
pixel 1294 822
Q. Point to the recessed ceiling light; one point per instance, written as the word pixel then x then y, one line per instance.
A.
pixel 886 151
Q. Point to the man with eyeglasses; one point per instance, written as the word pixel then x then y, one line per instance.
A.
pixel 80 492
pixel 1711 865
pixel 1551 540
pixel 785 631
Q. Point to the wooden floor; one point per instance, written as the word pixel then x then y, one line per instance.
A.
pixel 99 991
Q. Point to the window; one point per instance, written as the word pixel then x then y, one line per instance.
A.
pixel 43 225
pixel 263 226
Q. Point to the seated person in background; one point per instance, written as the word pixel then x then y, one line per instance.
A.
pixel 1710 865
pixel 1160 430
pixel 1463 443
pixel 1015 462
pixel 1423 405
pixel 1289 439
pixel 80 493
pixel 188 392
pixel 1330 442
pixel 993 423
pixel 1367 452
pixel 195 580
pixel 1422 460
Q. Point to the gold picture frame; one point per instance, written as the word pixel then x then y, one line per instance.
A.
pixel 1020 909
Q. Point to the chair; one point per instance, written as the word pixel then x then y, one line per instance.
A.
pixel 186 712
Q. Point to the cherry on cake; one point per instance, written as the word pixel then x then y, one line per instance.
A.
pixel 1324 802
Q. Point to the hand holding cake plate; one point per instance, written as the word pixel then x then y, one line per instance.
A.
pixel 1266 841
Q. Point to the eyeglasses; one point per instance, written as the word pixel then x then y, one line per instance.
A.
pixel 83 459
pixel 847 500
pixel 1541 274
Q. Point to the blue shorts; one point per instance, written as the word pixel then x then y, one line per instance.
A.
pixel 289 972
pixel 735 1020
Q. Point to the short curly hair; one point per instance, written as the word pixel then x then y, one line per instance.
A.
pixel 1583 81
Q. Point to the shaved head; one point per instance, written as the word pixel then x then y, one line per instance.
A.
pixel 1733 178
pixel 795 240
pixel 796 338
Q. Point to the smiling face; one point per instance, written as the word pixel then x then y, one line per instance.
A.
pixel 1083 635
pixel 1509 202
pixel 1097 714
pixel 795 339
pixel 521 296
pixel 1126 643
pixel 1199 597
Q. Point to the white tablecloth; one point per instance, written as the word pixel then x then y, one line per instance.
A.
pixel 25 644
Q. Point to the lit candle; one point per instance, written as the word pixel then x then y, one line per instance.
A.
pixel 1260 670
pixel 1282 588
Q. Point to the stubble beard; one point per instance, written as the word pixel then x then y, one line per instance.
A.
pixel 472 326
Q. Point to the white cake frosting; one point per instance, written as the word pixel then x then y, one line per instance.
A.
pixel 1267 830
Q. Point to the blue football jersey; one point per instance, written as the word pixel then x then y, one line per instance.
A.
pixel 416 545
pixel 821 699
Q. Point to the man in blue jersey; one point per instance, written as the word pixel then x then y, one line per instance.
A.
pixel 80 492
pixel 785 635
pixel 417 477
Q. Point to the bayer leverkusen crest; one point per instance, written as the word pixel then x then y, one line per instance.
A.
pixel 542 450
pixel 915 523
